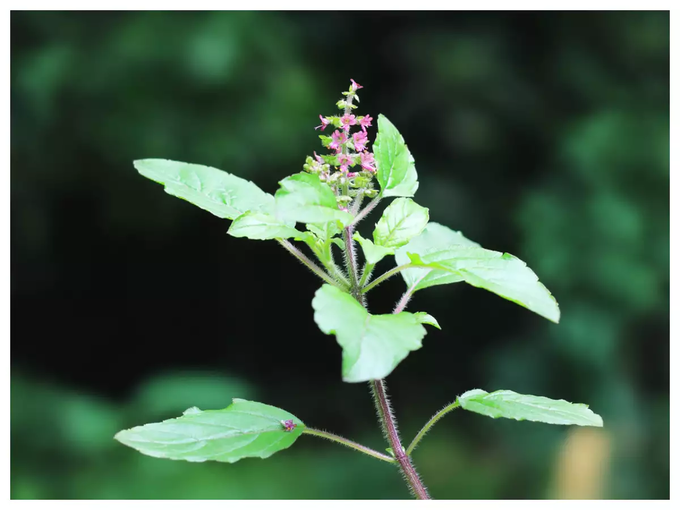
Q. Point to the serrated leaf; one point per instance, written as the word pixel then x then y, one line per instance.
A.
pixel 261 226
pixel 401 221
pixel 434 236
pixel 372 345
pixel 372 253
pixel 213 190
pixel 244 429
pixel 508 404
pixel 396 170
pixel 304 198
pixel 501 273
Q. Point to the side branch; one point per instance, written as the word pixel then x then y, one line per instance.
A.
pixel 307 262
pixel 348 444
pixel 438 416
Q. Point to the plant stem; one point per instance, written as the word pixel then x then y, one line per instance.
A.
pixel 406 297
pixel 365 274
pixel 350 260
pixel 389 426
pixel 371 205
pixel 349 444
pixel 308 262
pixel 438 416
pixel 387 420
pixel 385 276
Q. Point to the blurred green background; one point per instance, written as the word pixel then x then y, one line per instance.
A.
pixel 542 134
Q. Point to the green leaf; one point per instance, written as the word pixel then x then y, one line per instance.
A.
pixel 501 273
pixel 304 198
pixel 396 169
pixel 218 192
pixel 256 225
pixel 325 231
pixel 244 429
pixel 402 220
pixel 372 253
pixel 434 236
pixel 372 345
pixel 508 404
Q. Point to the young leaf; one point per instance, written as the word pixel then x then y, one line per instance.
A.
pixel 256 225
pixel 434 236
pixel 508 404
pixel 304 198
pixel 402 220
pixel 372 345
pixel 244 429
pixel 372 252
pixel 396 169
pixel 213 190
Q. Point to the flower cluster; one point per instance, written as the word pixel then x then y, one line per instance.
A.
pixel 350 167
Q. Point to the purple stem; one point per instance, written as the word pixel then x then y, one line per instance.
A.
pixel 389 425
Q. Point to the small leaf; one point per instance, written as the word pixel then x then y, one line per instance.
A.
pixel 304 198
pixel 402 220
pixel 325 231
pixel 501 273
pixel 244 429
pixel 508 404
pixel 426 318
pixel 372 253
pixel 372 345
pixel 255 225
pixel 213 190
pixel 434 236
pixel 396 168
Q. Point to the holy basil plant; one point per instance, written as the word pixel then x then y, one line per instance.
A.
pixel 321 207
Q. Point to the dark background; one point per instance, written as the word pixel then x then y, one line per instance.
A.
pixel 542 134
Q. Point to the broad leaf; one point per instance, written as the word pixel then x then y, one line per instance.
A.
pixel 508 404
pixel 402 220
pixel 395 166
pixel 304 198
pixel 218 192
pixel 500 273
pixel 372 345
pixel 244 429
pixel 434 236
pixel 372 253
pixel 256 225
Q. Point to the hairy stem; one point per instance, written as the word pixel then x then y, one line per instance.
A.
pixel 389 426
pixel 406 297
pixel 371 205
pixel 308 262
pixel 349 444
pixel 350 260
pixel 385 276
pixel 366 274
pixel 438 416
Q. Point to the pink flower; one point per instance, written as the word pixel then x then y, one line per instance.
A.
pixel 348 120
pixel 367 161
pixel 351 175
pixel 355 86
pixel 360 141
pixel 324 122
pixel 288 425
pixel 344 161
pixel 339 138
pixel 365 122
pixel 319 158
